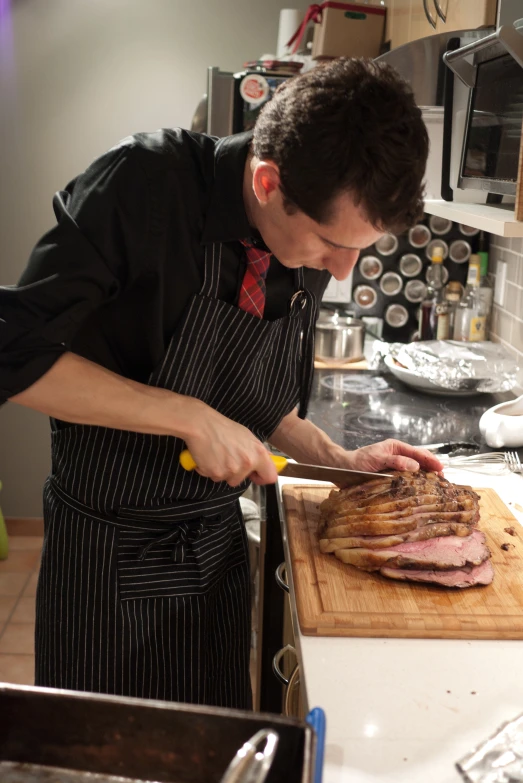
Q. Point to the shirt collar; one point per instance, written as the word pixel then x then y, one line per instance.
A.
pixel 226 218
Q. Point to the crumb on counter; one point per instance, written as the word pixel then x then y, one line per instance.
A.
pixel 511 530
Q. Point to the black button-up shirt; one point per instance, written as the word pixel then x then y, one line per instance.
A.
pixel 112 279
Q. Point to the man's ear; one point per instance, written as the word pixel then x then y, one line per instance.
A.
pixel 265 180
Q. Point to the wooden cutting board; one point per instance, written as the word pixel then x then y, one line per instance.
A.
pixel 335 599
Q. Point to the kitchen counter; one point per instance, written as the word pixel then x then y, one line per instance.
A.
pixel 405 710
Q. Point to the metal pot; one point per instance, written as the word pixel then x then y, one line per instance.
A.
pixel 339 338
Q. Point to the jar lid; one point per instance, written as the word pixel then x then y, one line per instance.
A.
pixel 391 283
pixel 370 267
pixel 365 296
pixel 396 315
pixel 387 245
pixel 410 265
pixel 419 236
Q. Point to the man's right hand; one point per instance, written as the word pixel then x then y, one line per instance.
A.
pixel 225 450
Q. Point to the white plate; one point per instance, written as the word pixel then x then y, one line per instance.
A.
pixel 417 382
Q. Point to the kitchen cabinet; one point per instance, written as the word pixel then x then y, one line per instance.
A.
pixel 408 20
pixel 467 14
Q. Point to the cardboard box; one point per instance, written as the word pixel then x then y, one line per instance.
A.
pixel 348 30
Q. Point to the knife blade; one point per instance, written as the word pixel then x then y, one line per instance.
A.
pixel 339 476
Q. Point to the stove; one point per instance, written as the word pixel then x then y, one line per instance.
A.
pixel 359 408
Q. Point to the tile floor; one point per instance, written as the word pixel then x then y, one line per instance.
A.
pixel 18 576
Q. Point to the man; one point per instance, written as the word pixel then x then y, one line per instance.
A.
pixel 173 306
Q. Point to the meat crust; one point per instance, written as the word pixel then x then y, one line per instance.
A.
pixel 410 526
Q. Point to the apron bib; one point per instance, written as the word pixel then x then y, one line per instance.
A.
pixel 144 584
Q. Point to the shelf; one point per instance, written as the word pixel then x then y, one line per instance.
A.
pixel 496 219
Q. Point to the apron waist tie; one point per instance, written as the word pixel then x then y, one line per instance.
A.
pixel 181 535
pixel 189 524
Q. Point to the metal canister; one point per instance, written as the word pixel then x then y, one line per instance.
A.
pixel 439 225
pixel 410 265
pixel 370 267
pixel 391 283
pixel 460 251
pixel 468 231
pixel 396 315
pixel 365 296
pixel 415 290
pixel 419 236
pixel 387 245
pixel 429 250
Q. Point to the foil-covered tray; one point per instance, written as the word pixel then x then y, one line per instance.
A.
pixel 499 759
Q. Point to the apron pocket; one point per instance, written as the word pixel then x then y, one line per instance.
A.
pixel 187 558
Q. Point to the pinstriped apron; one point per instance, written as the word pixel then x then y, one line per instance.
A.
pixel 144 587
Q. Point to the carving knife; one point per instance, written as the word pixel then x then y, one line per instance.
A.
pixel 339 476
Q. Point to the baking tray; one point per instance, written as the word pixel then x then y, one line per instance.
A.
pixel 69 737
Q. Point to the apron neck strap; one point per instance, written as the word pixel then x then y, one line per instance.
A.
pixel 212 269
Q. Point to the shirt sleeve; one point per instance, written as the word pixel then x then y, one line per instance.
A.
pixel 87 259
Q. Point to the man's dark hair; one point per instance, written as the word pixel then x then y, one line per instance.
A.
pixel 350 125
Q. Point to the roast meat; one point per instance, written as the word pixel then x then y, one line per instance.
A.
pixel 437 554
pixel 415 526
pixel 461 577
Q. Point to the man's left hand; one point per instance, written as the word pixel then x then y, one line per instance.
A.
pixel 390 455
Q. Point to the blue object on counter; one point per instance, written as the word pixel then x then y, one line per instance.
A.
pixel 317 720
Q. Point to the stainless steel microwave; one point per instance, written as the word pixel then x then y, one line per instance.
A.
pixel 492 70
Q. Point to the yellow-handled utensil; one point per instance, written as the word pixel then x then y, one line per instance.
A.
pixel 339 476
pixel 187 461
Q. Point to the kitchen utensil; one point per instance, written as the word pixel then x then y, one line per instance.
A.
pixel 252 765
pixel 502 425
pixel 339 476
pixel 334 599
pixel 339 338
pixel 514 462
pixel 452 448
pixel 489 462
pixel 114 738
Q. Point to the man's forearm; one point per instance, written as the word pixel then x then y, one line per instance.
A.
pixel 82 392
pixel 305 442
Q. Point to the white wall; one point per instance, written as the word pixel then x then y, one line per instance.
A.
pixel 76 76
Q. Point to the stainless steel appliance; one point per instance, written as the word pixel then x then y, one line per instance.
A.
pixel 492 70
pixel 83 735
pixel 420 63
pixel 234 100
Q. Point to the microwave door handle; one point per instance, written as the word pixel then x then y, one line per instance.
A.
pixel 430 18
pixel 506 35
pixel 442 15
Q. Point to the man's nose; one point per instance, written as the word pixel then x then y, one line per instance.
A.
pixel 341 267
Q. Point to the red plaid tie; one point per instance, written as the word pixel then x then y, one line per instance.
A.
pixel 252 292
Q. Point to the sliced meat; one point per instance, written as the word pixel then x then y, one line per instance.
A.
pixel 438 508
pixel 482 574
pixel 388 526
pixel 447 552
pixel 387 502
pixel 382 542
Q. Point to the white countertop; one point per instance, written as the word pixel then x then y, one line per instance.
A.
pixel 405 710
